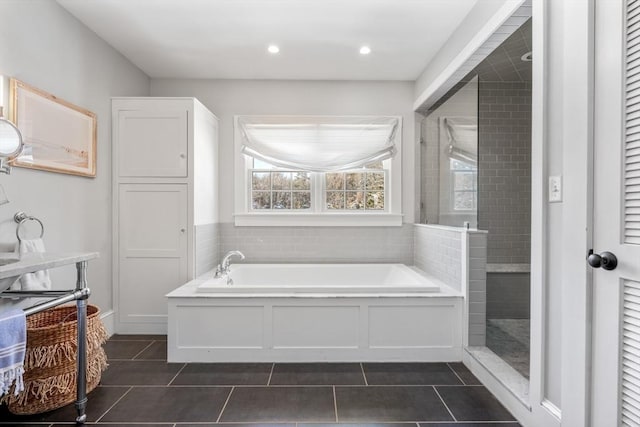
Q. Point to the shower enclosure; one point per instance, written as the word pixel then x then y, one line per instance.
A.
pixel 476 170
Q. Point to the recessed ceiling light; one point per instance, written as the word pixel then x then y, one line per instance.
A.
pixel 273 48
pixel 365 50
pixel 527 57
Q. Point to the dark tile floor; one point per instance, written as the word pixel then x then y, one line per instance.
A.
pixel 140 389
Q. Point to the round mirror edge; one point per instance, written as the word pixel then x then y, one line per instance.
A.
pixel 10 155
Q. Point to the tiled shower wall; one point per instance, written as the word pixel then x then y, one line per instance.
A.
pixel 504 171
pixel 477 288
pixel 319 244
pixel 440 252
pixel 437 250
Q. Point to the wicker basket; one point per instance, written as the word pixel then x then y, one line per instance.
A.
pixel 50 360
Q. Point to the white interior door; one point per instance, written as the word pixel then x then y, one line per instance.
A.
pixel 616 293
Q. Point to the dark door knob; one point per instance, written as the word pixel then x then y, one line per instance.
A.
pixel 606 260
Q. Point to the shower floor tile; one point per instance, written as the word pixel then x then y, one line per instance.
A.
pixel 140 390
pixel 509 339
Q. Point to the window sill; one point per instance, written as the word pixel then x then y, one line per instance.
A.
pixel 318 220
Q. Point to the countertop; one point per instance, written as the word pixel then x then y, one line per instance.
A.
pixel 31 262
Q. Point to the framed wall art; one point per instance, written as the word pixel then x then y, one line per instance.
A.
pixel 58 135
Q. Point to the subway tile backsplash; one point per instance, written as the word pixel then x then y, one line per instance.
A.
pixel 437 251
pixel 319 244
pixel 207 253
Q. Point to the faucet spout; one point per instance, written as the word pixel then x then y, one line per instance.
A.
pixel 223 267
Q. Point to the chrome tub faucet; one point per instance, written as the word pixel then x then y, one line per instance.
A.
pixel 223 268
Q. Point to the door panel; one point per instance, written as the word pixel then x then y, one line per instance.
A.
pixel 152 249
pixel 616 293
pixel 152 144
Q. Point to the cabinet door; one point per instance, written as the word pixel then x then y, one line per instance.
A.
pixel 153 241
pixel 152 143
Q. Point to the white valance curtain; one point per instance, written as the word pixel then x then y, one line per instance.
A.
pixel 462 133
pixel 318 143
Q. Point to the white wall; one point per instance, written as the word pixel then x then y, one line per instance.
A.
pixel 44 46
pixel 226 98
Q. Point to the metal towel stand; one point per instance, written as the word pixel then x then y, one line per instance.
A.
pixel 80 295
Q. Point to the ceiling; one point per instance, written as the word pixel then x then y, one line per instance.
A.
pixel 318 39
pixel 505 64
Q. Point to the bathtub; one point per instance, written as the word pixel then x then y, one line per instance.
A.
pixel 333 279
pixel 315 313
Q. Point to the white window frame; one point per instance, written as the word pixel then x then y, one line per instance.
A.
pixel 245 216
pixel 453 191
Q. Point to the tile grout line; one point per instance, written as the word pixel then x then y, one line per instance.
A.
pixel 363 374
pixel 176 375
pixel 112 406
pixel 142 351
pixel 335 402
pixel 225 404
pixel 288 385
pixel 273 365
pixel 445 405
pixel 456 374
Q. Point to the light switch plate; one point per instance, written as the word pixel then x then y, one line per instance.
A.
pixel 555 189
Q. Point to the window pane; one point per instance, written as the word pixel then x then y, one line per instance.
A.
pixel 464 200
pixel 335 181
pixel 355 181
pixel 261 181
pixel 355 200
pixel 464 181
pixel 335 200
pixel 281 180
pixel 374 165
pixel 459 165
pixel 261 200
pixel 259 164
pixel 281 200
pixel 375 200
pixel 301 200
pixel 375 180
pixel 301 181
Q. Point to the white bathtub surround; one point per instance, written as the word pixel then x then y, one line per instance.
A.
pixel 326 325
pixel 320 244
pixel 457 257
pixel 392 279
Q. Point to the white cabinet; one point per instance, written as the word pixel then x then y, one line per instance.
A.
pixel 153 143
pixel 165 153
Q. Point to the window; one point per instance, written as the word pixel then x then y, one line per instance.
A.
pixel 317 171
pixel 356 190
pixel 464 188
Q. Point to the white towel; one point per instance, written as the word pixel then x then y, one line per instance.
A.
pixel 38 281
pixel 13 342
